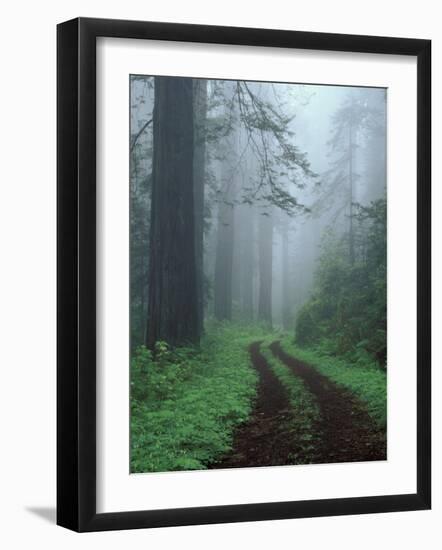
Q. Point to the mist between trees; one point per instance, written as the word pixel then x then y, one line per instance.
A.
pixel 258 203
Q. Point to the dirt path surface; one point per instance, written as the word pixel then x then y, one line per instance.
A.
pixel 263 441
pixel 344 432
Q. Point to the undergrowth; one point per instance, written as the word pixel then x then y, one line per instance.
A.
pixel 186 403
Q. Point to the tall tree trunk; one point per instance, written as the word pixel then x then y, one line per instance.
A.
pixel 173 304
pixel 286 295
pixel 247 263
pixel 239 248
pixel 237 258
pixel 350 179
pixel 199 171
pixel 224 259
pixel 265 268
pixel 225 230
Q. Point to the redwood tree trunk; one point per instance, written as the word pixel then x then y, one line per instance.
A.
pixel 199 170
pixel 350 184
pixel 286 295
pixel 224 262
pixel 265 268
pixel 247 263
pixel 173 303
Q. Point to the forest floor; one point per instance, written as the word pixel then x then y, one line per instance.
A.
pixel 337 426
pixel 249 396
pixel 263 441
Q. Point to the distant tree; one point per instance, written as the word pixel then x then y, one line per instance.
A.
pixel 225 202
pixel 355 119
pixel 199 177
pixel 224 252
pixel 141 98
pixel 247 260
pixel 265 246
pixel 286 294
pixel 264 132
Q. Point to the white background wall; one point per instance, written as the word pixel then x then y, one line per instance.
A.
pixel 27 273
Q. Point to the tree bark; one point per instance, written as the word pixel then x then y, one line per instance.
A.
pixel 247 263
pixel 225 231
pixel 224 260
pixel 286 295
pixel 350 184
pixel 199 171
pixel 173 305
pixel 265 268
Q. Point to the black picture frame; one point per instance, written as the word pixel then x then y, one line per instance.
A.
pixel 76 274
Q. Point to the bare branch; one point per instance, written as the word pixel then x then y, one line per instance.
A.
pixel 139 133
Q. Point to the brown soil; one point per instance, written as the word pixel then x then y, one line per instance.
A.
pixel 263 440
pixel 345 431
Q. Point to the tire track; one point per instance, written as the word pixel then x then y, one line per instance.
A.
pixel 345 432
pixel 263 440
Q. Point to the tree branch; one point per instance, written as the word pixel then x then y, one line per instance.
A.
pixel 137 136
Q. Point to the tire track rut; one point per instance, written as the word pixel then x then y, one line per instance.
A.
pixel 344 432
pixel 263 440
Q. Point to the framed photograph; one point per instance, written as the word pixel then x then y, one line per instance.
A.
pixel 243 274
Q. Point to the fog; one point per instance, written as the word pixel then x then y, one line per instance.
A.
pixel 287 170
pixel 258 320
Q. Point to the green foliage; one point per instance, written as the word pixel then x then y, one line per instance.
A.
pixel 364 379
pixel 186 403
pixel 346 314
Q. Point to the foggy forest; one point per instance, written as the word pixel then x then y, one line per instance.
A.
pixel 258 320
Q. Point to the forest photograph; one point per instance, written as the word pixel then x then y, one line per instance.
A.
pixel 258 274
